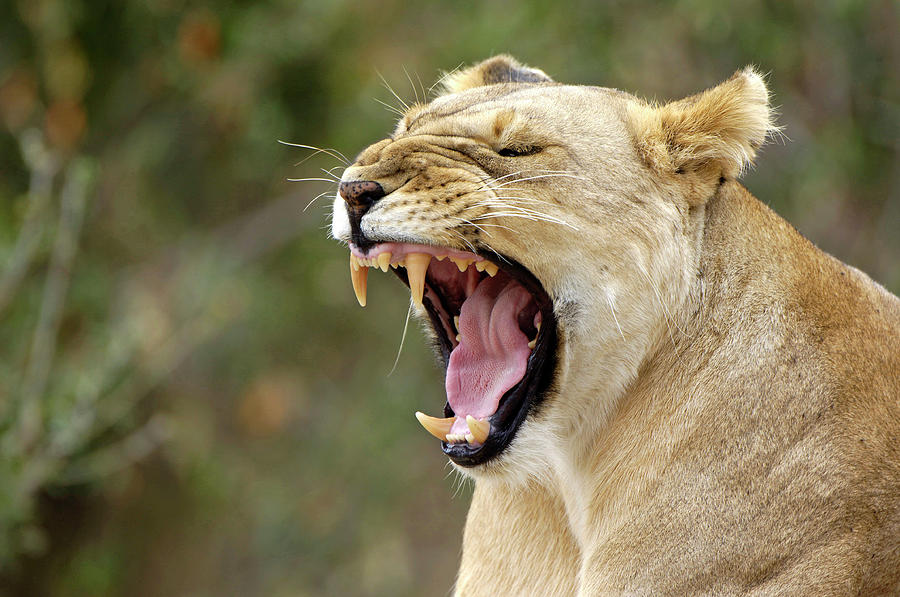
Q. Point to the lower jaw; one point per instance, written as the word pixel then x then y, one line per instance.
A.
pixel 521 401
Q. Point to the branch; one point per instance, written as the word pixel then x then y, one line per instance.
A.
pixel 43 166
pixel 43 345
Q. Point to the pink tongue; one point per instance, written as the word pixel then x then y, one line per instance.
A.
pixel 493 353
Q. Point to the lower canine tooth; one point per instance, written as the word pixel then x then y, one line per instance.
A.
pixel 416 266
pixel 532 344
pixel 359 276
pixel 480 429
pixel 439 428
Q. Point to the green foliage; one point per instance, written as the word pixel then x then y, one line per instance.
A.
pixel 191 403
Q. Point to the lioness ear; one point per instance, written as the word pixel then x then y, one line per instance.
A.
pixel 721 127
pixel 499 69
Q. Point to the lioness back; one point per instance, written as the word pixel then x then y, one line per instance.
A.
pixel 658 385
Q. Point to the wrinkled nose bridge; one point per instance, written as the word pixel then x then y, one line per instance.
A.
pixel 361 194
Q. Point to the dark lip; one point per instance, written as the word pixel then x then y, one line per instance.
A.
pixel 527 396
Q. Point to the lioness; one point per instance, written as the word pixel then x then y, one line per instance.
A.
pixel 657 384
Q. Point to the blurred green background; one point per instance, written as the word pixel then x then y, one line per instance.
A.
pixel 191 402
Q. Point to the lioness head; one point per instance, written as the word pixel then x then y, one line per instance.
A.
pixel 549 235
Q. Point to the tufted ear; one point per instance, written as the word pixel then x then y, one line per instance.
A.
pixel 499 69
pixel 722 127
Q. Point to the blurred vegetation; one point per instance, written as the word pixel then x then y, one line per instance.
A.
pixel 190 401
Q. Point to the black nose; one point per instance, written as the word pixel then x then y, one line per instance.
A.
pixel 361 194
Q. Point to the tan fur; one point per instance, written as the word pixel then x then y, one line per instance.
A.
pixel 726 410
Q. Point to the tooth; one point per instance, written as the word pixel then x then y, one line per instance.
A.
pixel 491 269
pixel 439 428
pixel 532 344
pixel 359 275
pixel 458 338
pixel 456 322
pixel 470 438
pixel 462 264
pixel 479 265
pixel 416 266
pixel 440 257
pixel 479 429
pixel 384 261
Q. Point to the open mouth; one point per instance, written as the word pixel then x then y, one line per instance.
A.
pixel 496 332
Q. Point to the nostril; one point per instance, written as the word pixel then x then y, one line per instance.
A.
pixel 361 193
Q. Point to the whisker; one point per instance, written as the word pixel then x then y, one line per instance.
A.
pixel 470 223
pixel 411 84
pixel 539 176
pixel 394 93
pixel 616 319
pixel 393 109
pixel 331 180
pixel 326 150
pixel 316 198
pixel 666 315
pixel 422 87
pixel 526 216
pixel 465 240
pixel 445 75
pixel 334 177
pixel 402 340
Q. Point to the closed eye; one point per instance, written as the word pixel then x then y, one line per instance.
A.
pixel 515 152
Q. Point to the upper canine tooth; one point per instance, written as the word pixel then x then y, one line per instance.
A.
pixel 359 276
pixel 479 429
pixel 384 261
pixel 439 428
pixel 416 266
pixel 491 268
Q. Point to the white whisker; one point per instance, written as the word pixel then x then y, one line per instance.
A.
pixel 616 319
pixel 394 93
pixel 411 84
pixel 666 315
pixel 540 176
pixel 393 109
pixel 402 340
pixel 311 179
pixel 316 198
pixel 328 151
pixel 331 174
pixel 444 76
